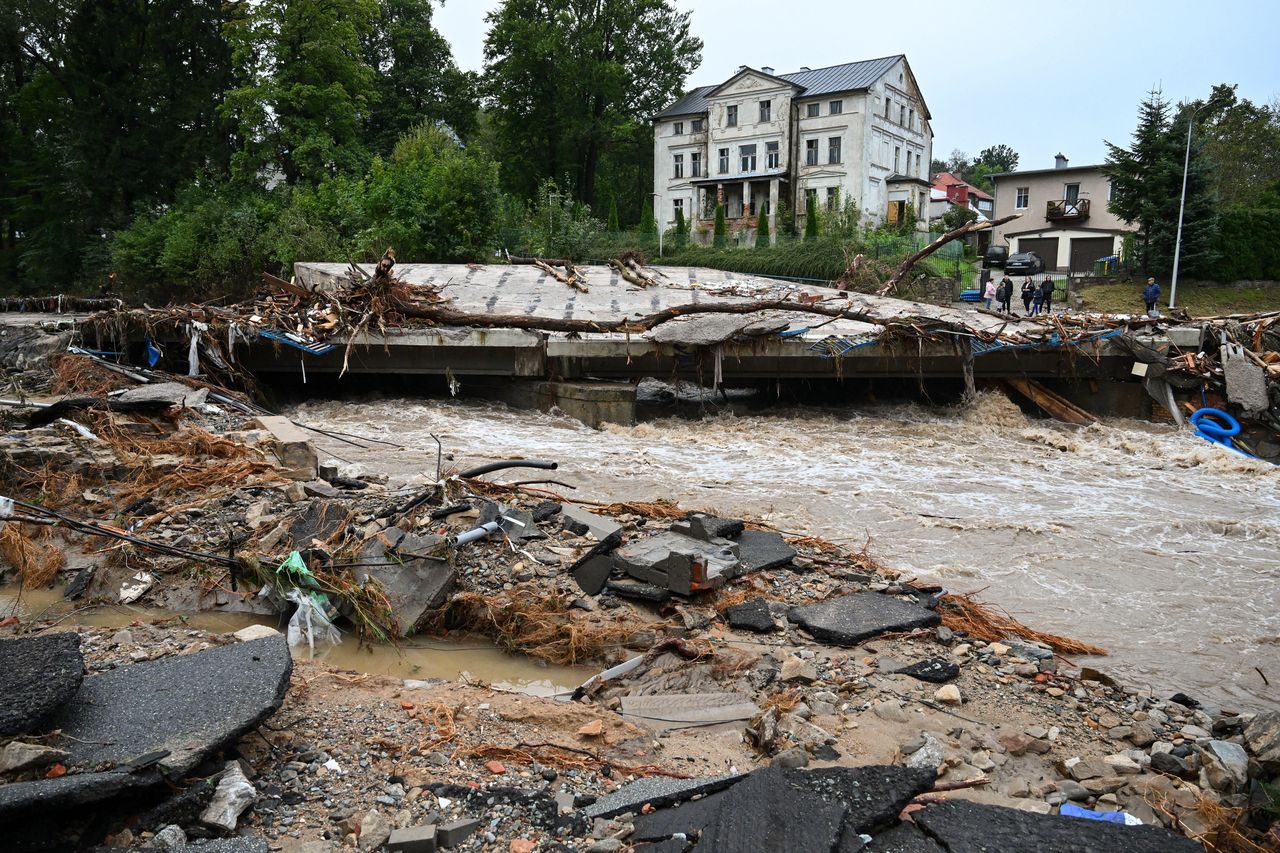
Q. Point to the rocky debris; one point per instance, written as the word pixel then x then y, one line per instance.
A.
pixel 934 670
pixel 173 393
pixel 18 756
pixel 37 676
pixel 296 453
pixel 456 831
pixel 850 619
pixel 967 827
pixel 677 710
pixel 637 590
pixel 585 523
pixel 592 574
pixel 417 839
pixel 1262 737
pixel 708 528
pixel 751 615
pixel 788 810
pixel 233 795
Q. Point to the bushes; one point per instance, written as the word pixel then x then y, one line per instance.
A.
pixel 1247 245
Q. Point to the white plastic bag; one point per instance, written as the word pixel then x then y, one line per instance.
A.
pixel 310 622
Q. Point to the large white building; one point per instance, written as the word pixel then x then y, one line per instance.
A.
pixel 856 133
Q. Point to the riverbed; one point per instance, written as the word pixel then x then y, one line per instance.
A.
pixel 1126 534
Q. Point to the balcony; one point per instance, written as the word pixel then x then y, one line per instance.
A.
pixel 1073 210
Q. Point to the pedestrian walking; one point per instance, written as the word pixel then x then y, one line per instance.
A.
pixel 1028 292
pixel 1150 296
pixel 1006 298
pixel 1046 294
pixel 990 293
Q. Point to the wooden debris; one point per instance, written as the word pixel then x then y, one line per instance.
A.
pixel 1052 403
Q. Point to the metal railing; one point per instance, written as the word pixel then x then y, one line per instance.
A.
pixel 1067 209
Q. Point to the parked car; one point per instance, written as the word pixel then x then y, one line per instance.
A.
pixel 995 256
pixel 1024 263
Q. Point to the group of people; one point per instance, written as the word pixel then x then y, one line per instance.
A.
pixel 1036 298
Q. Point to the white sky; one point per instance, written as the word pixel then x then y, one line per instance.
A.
pixel 1040 75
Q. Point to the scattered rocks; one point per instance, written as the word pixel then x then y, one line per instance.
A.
pixel 948 694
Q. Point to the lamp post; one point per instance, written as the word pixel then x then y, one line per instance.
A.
pixel 657 221
pixel 1182 206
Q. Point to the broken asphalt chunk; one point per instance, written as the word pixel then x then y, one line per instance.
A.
pixel 751 615
pixel 659 792
pixel 637 590
pixel 759 550
pixel 850 619
pixel 933 670
pixel 967 827
pixel 592 574
pixel 38 675
pixel 582 523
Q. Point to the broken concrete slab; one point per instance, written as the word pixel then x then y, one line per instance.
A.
pixel 659 792
pixel 850 619
pixel 1246 381
pixel 186 705
pixel 592 574
pixel 174 393
pixel 683 710
pixel 319 522
pixel 519 524
pixel 408 569
pixel 708 528
pixel 788 810
pixel 38 675
pixel 701 330
pixel 585 523
pixel 292 447
pixel 967 827
pixel 752 615
pixel 760 549
pixel 677 562
pixel 637 590
pixel 933 670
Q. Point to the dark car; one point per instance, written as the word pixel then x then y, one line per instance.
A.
pixel 1024 263
pixel 995 256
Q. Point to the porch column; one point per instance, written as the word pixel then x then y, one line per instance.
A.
pixel 773 210
pixel 746 198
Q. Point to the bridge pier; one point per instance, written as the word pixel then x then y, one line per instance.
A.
pixel 593 403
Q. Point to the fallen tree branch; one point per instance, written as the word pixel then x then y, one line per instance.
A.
pixel 912 260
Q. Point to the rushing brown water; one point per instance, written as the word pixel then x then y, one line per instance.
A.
pixel 416 659
pixel 1150 542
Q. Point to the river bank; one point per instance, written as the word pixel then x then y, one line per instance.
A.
pixel 751 645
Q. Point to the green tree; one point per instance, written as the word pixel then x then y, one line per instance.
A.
pixel 811 224
pixel 305 90
pixel 720 236
pixel 1241 142
pixel 999 158
pixel 416 78
pixel 785 221
pixel 1146 182
pixel 569 83
pixel 957 215
pixel 762 227
pixel 681 230
pixel 648 225
pixel 614 227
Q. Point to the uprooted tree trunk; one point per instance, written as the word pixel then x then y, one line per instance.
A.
pixel 912 260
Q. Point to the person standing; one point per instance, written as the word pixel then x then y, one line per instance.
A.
pixel 1150 296
pixel 1006 297
pixel 1028 292
pixel 990 292
pixel 1037 299
pixel 1046 294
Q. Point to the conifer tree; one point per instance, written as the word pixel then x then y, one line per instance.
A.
pixel 722 231
pixel 762 227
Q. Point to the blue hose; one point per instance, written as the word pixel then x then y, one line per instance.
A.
pixel 1217 433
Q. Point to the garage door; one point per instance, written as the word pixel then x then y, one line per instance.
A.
pixel 1045 247
pixel 1086 250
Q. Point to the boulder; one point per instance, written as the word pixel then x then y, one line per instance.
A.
pixel 850 619
pixel 38 675
pixel 1262 737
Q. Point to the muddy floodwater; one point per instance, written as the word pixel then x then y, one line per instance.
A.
pixel 1149 542
pixel 470 661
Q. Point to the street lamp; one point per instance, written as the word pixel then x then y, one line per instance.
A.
pixel 1182 205
pixel 658 222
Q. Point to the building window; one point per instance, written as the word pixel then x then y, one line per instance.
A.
pixel 731 116
pixel 771 155
pixel 833 197
pixel 724 161
pixel 835 108
pixel 897 155
pixel 677 208
pixel 677 129
pixel 902 115
pixel 1022 197
pixel 695 126
pixel 677 167
pixel 1071 192
pixel 908 163
pixel 747 153
pixel 766 111
pixel 810 199
pixel 695 164
pixel 911 119
pixel 887 104
pixel 833 150
pixel 811 152
pixel 811 110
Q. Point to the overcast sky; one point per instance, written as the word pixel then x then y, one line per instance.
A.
pixel 1040 76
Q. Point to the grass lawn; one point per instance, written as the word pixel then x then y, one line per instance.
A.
pixel 1198 301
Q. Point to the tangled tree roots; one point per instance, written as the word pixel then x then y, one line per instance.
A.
pixel 36 558
pixel 78 376
pixel 991 623
pixel 535 624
